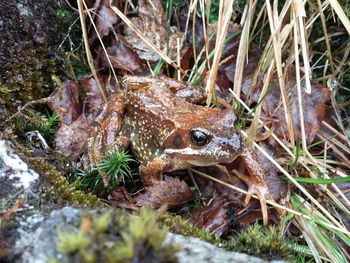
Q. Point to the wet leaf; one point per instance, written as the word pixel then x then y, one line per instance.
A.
pixel 170 192
pixel 214 217
pixel 66 102
pixel 104 19
pixel 155 29
pixel 122 198
pixel 70 138
pixel 121 57
pixel 313 106
pixel 93 98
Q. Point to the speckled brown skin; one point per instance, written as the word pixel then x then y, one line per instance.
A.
pixel 160 125
pixel 157 118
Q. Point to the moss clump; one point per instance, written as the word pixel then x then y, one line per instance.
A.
pixel 59 190
pixel 256 240
pixel 266 243
pixel 117 237
pixel 177 224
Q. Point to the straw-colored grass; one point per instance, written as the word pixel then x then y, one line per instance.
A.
pixel 288 44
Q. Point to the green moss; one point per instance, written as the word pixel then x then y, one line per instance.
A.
pixel 256 240
pixel 177 224
pixel 71 242
pixel 59 189
pixel 117 236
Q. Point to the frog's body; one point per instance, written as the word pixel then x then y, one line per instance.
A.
pixel 167 132
pixel 161 126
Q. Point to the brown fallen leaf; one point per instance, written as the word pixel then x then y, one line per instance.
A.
pixel 70 138
pixel 210 189
pixel 66 102
pixel 215 217
pixel 278 187
pixel 122 198
pixel 151 21
pixel 121 57
pixel 93 98
pixel 313 106
pixel 170 192
pixel 104 19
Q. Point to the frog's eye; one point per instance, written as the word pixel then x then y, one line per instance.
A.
pixel 198 137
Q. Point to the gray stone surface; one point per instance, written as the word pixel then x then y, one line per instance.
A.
pixel 197 250
pixel 37 242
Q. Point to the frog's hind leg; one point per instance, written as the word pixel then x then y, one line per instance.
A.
pixel 255 181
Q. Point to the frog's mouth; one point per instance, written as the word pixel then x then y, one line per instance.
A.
pixel 200 163
pixel 199 157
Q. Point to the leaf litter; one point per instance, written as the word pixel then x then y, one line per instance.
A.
pixel 128 54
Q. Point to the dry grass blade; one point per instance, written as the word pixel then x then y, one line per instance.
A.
pixel 298 80
pixel 225 12
pixel 254 126
pixel 101 42
pixel 274 204
pixel 278 61
pixel 299 13
pixel 305 162
pixel 87 48
pixel 341 14
pixel 141 36
pixel 243 49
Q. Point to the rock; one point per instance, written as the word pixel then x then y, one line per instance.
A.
pixel 13 169
pixel 37 242
pixel 197 250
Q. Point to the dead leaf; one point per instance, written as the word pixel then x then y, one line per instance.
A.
pixel 104 19
pixel 278 187
pixel 210 189
pixel 121 57
pixel 66 102
pixel 313 106
pixel 93 98
pixel 215 217
pixel 155 28
pixel 170 191
pixel 122 198
pixel 70 138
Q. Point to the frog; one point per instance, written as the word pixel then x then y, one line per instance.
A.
pixel 168 129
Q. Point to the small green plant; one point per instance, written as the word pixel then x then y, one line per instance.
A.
pixel 113 170
pixel 91 181
pixel 45 125
pixel 116 167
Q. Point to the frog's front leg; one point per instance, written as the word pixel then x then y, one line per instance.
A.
pixel 106 133
pixel 255 181
pixel 152 171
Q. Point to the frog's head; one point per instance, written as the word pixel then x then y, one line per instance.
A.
pixel 204 137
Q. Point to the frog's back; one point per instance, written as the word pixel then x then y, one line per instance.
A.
pixel 149 125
